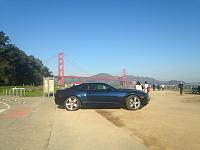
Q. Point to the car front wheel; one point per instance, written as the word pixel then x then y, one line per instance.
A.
pixel 133 102
pixel 72 103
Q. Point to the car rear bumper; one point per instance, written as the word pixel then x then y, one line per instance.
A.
pixel 59 100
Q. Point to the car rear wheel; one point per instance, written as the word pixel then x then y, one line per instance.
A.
pixel 72 103
pixel 133 102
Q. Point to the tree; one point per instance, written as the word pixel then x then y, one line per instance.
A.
pixel 4 40
pixel 16 68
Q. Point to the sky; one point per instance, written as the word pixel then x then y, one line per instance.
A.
pixel 153 38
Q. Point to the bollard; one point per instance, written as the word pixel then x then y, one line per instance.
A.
pixel 9 92
pixel 6 92
pixel 16 92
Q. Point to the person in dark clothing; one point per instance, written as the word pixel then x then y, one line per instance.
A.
pixel 158 87
pixel 154 87
pixel 180 86
pixel 142 87
pixel 199 89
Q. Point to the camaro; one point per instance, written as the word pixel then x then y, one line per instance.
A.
pixel 101 95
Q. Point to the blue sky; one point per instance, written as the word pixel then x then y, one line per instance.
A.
pixel 156 38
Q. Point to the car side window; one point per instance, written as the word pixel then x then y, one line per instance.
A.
pixel 93 87
pixel 102 87
pixel 85 87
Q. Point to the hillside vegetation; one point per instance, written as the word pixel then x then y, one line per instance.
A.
pixel 17 68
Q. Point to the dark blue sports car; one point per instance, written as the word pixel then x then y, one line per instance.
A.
pixel 101 95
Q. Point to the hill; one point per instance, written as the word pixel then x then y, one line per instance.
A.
pixel 130 79
pixel 102 75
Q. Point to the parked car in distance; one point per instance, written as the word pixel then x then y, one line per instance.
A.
pixel 196 90
pixel 100 95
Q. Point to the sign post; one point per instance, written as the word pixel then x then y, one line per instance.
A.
pixel 48 86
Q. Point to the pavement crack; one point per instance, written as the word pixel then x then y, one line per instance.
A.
pixel 51 129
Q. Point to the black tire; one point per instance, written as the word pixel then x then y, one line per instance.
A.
pixel 133 102
pixel 72 103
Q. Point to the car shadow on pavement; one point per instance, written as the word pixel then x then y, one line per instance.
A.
pixel 62 107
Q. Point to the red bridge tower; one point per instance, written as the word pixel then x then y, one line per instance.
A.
pixel 124 79
pixel 61 68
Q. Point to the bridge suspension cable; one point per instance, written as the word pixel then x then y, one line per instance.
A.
pixel 69 60
pixel 61 71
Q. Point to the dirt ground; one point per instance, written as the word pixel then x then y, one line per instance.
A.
pixel 170 121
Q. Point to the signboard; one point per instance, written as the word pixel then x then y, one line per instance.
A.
pixel 51 85
pixel 45 85
pixel 48 86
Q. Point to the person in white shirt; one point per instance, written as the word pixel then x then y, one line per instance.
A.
pixel 163 87
pixel 146 87
pixel 138 86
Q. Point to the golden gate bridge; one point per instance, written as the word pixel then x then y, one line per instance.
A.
pixel 61 74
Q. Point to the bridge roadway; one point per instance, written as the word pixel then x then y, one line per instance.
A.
pixel 114 78
pixel 38 124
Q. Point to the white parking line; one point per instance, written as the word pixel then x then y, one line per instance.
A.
pixel 8 107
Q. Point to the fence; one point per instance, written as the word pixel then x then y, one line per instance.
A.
pixel 186 88
pixel 14 92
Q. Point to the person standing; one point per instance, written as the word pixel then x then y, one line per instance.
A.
pixel 138 86
pixel 199 89
pixel 154 87
pixel 180 86
pixel 163 87
pixel 158 87
pixel 146 87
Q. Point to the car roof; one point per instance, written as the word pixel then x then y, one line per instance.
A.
pixel 94 83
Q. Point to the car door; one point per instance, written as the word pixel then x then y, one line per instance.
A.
pixel 103 95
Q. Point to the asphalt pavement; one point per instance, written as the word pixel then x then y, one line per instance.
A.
pixel 38 124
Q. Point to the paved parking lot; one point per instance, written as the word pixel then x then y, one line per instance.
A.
pixel 27 124
pixel 170 121
pixel 38 124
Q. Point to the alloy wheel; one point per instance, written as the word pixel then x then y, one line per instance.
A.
pixel 72 103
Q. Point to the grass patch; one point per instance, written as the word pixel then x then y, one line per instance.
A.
pixel 34 93
pixel 31 91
